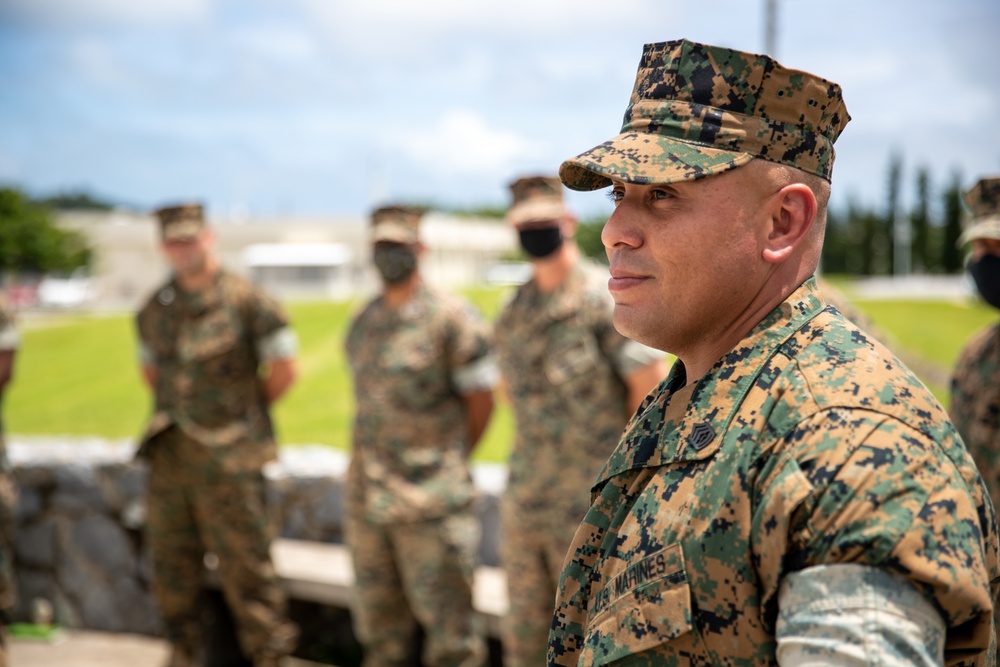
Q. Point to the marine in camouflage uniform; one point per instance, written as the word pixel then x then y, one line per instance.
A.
pixel 975 384
pixel 573 381
pixel 423 378
pixel 791 493
pixel 205 337
pixel 9 342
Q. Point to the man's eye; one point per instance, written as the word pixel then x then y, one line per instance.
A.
pixel 660 194
pixel 616 195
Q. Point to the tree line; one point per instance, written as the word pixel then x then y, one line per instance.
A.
pixel 30 240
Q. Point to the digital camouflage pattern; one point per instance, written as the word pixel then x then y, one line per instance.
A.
pixel 535 199
pixel 698 110
pixel 183 222
pixel 983 200
pixel 198 504
pixel 809 444
pixel 207 441
pixel 396 224
pixel 564 365
pixel 411 436
pixel 409 488
pixel 975 404
pixel 416 573
pixel 203 346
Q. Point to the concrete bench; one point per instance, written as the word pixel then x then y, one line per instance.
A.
pixel 323 573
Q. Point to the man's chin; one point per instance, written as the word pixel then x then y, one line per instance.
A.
pixel 629 321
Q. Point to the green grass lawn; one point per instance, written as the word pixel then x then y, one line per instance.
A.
pixel 78 375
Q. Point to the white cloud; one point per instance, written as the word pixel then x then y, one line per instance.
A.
pixel 461 141
pixel 72 12
pixel 389 28
pixel 287 44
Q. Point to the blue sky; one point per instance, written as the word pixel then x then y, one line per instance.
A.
pixel 323 107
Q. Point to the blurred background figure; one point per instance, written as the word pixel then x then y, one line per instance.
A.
pixel 975 384
pixel 217 353
pixel 423 382
pixel 9 341
pixel 573 382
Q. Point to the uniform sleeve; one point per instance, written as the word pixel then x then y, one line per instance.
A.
pixel 849 615
pixel 854 486
pixel 9 337
pixel 470 355
pixel 270 330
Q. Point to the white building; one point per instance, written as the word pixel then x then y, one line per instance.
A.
pixel 298 258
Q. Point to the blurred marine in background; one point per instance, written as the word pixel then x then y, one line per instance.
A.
pixel 9 342
pixel 975 384
pixel 423 383
pixel 573 382
pixel 217 353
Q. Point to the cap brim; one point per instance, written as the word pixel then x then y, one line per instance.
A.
pixel 985 228
pixel 182 231
pixel 539 210
pixel 394 234
pixel 644 158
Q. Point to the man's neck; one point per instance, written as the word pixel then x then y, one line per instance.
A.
pixel 396 295
pixel 551 272
pixel 700 360
pixel 196 282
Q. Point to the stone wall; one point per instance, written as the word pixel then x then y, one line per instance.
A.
pixel 82 508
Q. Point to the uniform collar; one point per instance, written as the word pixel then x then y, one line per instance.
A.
pixel 688 422
pixel 413 309
pixel 203 300
pixel 565 299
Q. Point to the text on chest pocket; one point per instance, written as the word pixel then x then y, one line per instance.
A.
pixel 648 604
pixel 209 336
pixel 571 362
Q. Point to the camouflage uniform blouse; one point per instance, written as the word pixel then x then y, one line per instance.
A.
pixel 410 367
pixel 808 444
pixel 564 365
pixel 206 348
pixel 975 404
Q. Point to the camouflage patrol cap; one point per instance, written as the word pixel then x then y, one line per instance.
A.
pixel 535 199
pixel 181 222
pixel 983 201
pixel 699 110
pixel 397 224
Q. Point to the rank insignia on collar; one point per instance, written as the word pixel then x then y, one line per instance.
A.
pixel 166 296
pixel 701 435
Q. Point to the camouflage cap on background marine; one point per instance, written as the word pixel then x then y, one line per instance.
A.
pixel 983 200
pixel 396 224
pixel 535 199
pixel 181 222
pixel 699 110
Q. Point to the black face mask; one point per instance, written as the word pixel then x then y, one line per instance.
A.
pixel 540 241
pixel 395 262
pixel 986 272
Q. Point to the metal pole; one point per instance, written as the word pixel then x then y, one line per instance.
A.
pixel 771 28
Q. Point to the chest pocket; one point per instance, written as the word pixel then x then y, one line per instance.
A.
pixel 647 605
pixel 572 361
pixel 211 335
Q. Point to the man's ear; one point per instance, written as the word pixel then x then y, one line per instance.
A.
pixel 792 214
